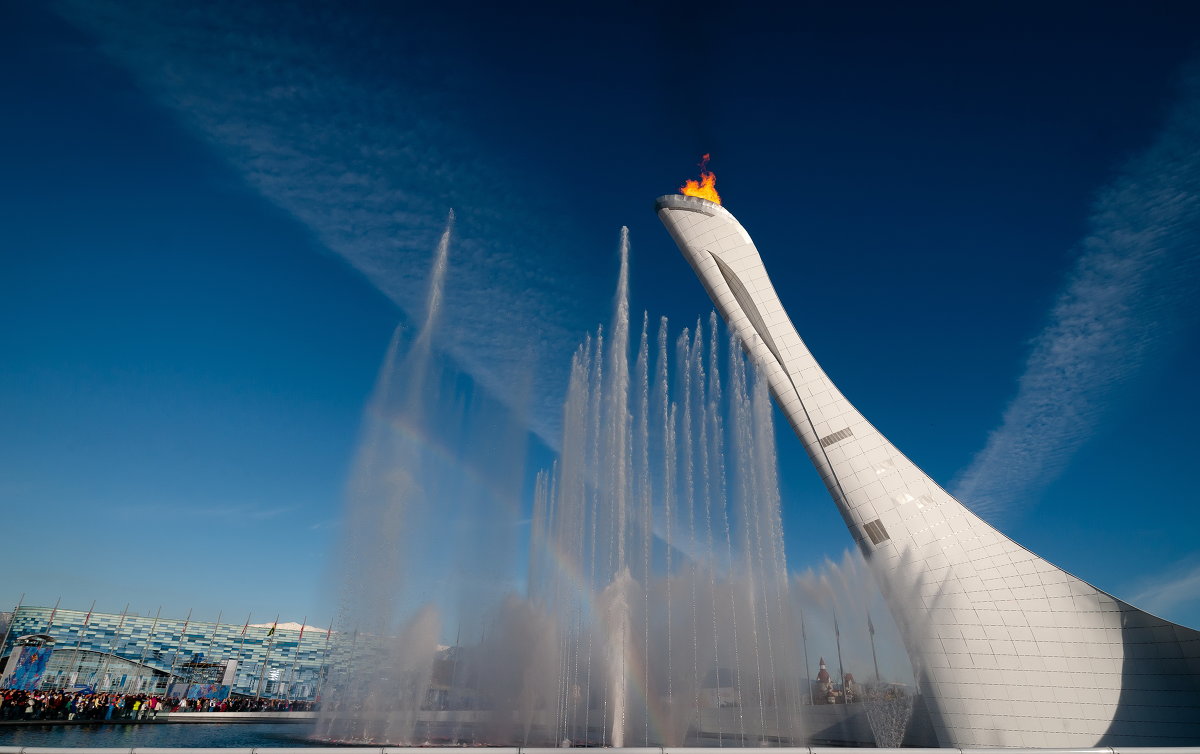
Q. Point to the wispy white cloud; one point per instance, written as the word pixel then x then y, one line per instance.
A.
pixel 1134 276
pixel 369 162
pixel 1175 592
pixel 195 512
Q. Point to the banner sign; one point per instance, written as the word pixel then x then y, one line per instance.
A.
pixel 30 667
pixel 198 691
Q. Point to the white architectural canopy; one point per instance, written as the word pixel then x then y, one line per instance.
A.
pixel 1010 650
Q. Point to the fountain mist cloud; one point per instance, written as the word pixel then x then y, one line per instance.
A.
pixel 658 607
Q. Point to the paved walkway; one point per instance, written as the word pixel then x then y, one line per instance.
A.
pixel 648 750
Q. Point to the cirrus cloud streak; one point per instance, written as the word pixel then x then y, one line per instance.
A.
pixel 1132 283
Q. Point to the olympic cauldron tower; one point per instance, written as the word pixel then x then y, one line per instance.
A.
pixel 1009 649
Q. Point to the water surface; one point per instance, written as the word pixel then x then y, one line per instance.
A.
pixel 160 734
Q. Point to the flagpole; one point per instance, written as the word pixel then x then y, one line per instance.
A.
pixel 116 637
pixel 807 667
pixel 213 638
pixel 148 644
pixel 86 621
pixel 178 649
pixel 871 629
pixel 241 646
pixel 323 670
pixel 79 640
pixel 8 630
pixel 207 651
pixel 837 633
pixel 53 613
pixel 296 656
pixel 262 677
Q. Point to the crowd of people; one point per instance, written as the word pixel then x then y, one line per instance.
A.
pixel 67 705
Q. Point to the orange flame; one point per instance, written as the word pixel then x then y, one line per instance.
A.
pixel 706 187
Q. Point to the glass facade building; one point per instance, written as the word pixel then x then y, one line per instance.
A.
pixel 107 652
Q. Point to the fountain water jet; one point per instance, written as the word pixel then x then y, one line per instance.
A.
pixel 658 608
pixel 430 535
pixel 649 545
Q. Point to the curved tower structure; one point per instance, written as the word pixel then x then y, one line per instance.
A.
pixel 1009 649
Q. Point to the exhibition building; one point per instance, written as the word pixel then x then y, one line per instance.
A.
pixel 51 648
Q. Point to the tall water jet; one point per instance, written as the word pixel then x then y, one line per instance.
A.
pixel 650 549
pixel 430 533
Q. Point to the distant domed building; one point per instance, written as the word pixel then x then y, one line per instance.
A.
pixel 824 692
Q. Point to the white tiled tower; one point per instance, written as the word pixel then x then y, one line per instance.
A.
pixel 1010 649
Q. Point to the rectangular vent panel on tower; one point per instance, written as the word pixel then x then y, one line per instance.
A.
pixel 838 436
pixel 876 532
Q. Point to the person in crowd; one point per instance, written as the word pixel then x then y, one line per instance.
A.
pixel 84 706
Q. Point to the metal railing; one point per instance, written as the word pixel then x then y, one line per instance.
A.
pixel 628 750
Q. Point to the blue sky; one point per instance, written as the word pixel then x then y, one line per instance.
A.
pixel 983 222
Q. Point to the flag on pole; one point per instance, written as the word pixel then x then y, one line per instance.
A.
pixel 54 612
pixel 246 624
pixel 87 619
pixel 302 627
pixel 274 626
pixel 836 631
pixel 870 625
